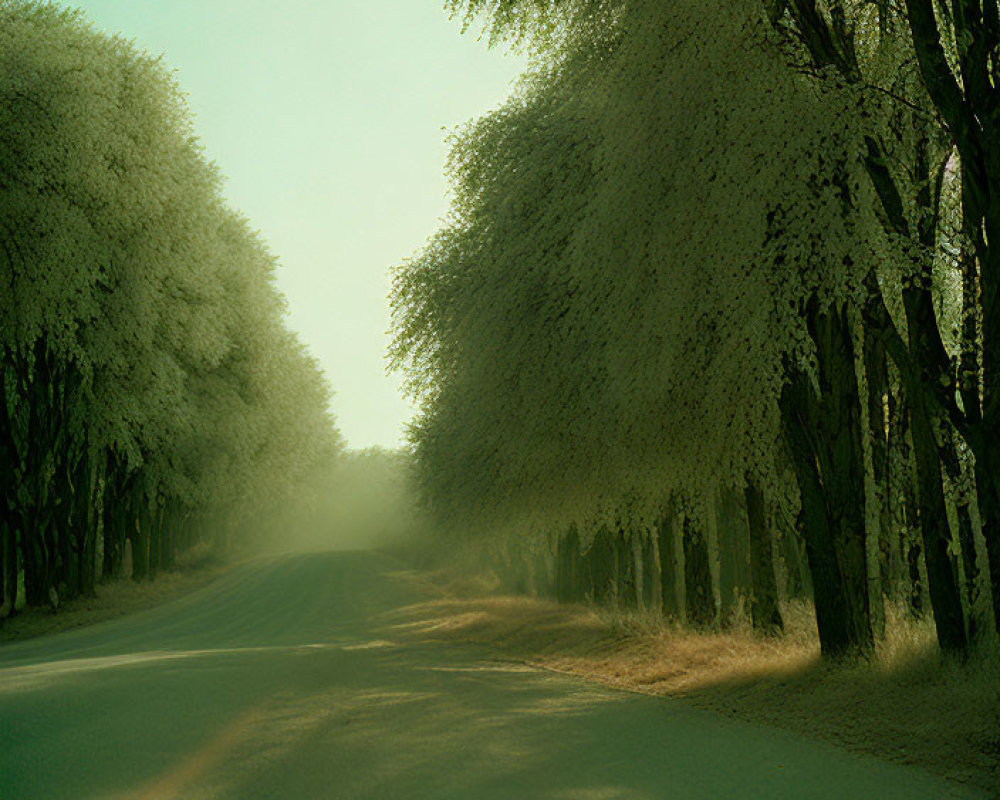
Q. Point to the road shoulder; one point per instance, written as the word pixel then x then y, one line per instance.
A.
pixel 908 706
pixel 112 601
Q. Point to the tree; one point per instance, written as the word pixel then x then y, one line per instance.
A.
pixel 632 275
pixel 918 84
pixel 139 320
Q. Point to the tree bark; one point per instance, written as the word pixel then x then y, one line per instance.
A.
pixel 139 534
pixel 599 566
pixel 669 596
pixel 698 596
pixel 8 569
pixel 568 566
pixel 823 433
pixel 650 574
pixel 960 501
pixel 764 611
pixel 626 583
pixel 942 573
pixel 732 530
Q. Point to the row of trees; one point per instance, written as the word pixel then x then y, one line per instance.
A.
pixel 720 255
pixel 150 394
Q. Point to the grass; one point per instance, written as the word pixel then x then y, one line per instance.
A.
pixel 907 704
pixel 113 600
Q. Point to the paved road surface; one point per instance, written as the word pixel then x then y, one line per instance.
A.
pixel 279 681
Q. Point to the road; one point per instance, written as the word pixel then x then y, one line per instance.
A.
pixel 282 680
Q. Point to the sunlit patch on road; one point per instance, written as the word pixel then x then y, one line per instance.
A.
pixel 325 705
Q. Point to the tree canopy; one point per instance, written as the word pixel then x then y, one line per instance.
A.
pixel 150 383
pixel 678 261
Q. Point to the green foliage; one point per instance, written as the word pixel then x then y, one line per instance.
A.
pixel 147 371
pixel 693 221
pixel 610 313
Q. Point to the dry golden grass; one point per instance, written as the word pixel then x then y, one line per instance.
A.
pixel 113 600
pixel 907 705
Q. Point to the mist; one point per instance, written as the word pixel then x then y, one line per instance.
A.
pixel 359 499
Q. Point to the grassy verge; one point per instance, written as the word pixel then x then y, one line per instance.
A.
pixel 113 600
pixel 907 705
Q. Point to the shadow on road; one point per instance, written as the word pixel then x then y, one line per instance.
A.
pixel 280 682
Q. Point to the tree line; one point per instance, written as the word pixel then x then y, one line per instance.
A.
pixel 717 296
pixel 151 395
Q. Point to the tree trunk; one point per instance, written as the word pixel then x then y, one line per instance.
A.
pixel 650 574
pixel 925 343
pixel 698 596
pixel 960 500
pixel 764 611
pixel 139 533
pixel 626 587
pixel 796 567
pixel 823 433
pixel 637 571
pixel 567 566
pixel 988 458
pixel 871 373
pixel 8 569
pixel 599 566
pixel 989 514
pixel 732 530
pixel 39 564
pixel 942 573
pixel 116 513
pixel 900 477
pixel 170 541
pixel 85 525
pixel 669 596
pixel 155 518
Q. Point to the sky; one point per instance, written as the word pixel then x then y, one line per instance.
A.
pixel 326 118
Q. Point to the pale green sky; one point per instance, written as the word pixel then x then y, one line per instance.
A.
pixel 326 117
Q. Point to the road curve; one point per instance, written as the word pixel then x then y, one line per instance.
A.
pixel 280 680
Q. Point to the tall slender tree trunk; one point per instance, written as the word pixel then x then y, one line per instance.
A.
pixel 669 578
pixel 116 513
pixel 638 571
pixel 139 533
pixel 698 596
pixel 989 513
pixel 170 540
pixel 8 569
pixel 732 530
pixel 981 210
pixel 599 560
pixel 567 566
pixel 85 524
pixel 871 372
pixel 926 345
pixel 651 574
pixel 907 556
pixel 155 529
pixel 960 502
pixel 796 566
pixel 626 584
pixel 764 611
pixel 823 433
pixel 942 572
pixel 899 490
